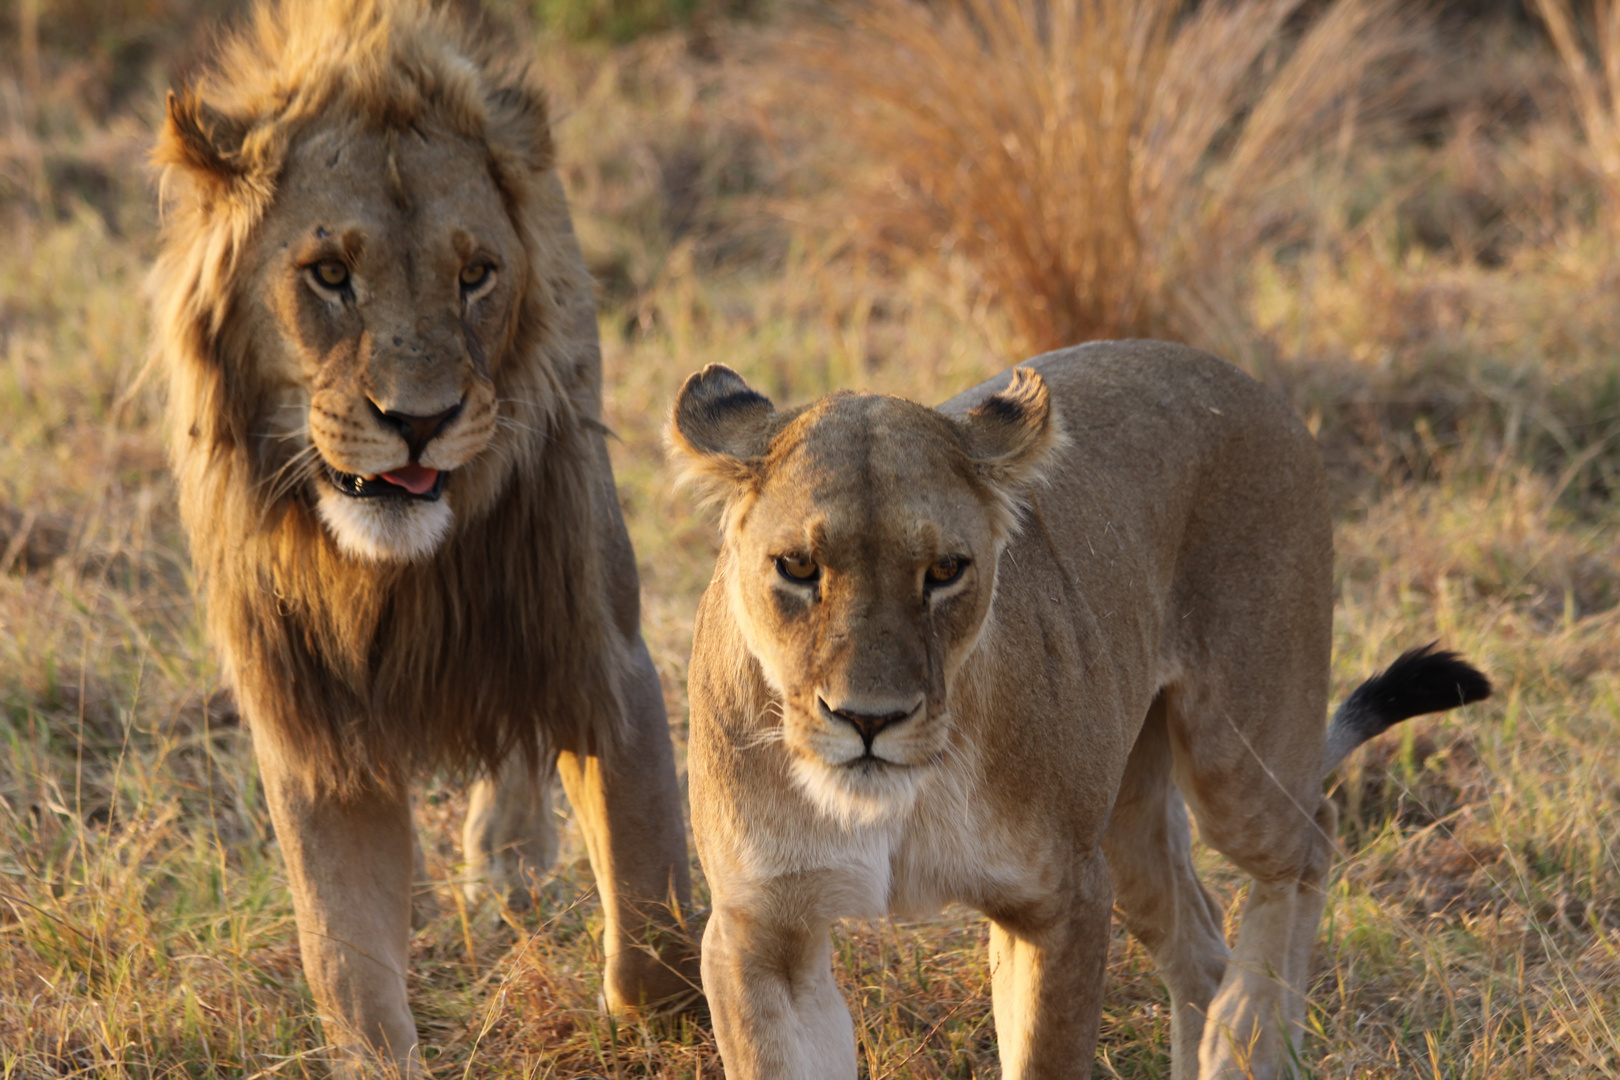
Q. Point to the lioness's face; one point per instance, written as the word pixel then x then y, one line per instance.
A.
pixel 385 296
pixel 860 554
pixel 861 575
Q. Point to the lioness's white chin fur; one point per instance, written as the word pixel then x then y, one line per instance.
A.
pixel 385 530
pixel 865 798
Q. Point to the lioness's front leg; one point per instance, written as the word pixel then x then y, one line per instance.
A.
pixel 349 865
pixel 1046 972
pixel 778 1015
pixel 629 808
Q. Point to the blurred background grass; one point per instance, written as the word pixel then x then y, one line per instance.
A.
pixel 1402 216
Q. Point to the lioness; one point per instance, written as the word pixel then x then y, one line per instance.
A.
pixel 990 654
pixel 384 387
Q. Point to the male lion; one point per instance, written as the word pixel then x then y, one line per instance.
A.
pixel 900 698
pixel 385 384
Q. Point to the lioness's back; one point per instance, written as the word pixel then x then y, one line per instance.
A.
pixel 1128 403
pixel 1181 473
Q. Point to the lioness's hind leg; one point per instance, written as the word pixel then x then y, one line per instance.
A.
pixel 1157 892
pixel 510 832
pixel 1255 786
pixel 1260 1007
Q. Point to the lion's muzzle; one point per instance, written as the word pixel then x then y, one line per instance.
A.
pixel 417 431
pixel 412 480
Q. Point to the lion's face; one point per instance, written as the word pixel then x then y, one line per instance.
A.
pixel 383 296
pixel 861 548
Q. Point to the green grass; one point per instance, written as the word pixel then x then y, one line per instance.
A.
pixel 1463 385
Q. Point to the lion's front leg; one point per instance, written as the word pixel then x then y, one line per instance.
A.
pixel 777 1012
pixel 629 809
pixel 1046 977
pixel 349 865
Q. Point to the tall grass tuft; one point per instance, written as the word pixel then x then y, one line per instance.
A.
pixel 1595 89
pixel 1103 168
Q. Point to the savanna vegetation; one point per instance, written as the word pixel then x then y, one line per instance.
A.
pixel 1404 217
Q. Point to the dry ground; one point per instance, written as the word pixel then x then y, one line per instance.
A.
pixel 1446 320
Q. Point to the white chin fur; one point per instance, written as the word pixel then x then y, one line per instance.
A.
pixel 857 797
pixel 385 530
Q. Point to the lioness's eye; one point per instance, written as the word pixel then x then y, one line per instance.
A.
pixel 474 275
pixel 946 570
pixel 331 273
pixel 797 568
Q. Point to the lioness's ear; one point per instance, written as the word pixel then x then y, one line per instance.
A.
pixel 203 141
pixel 1011 435
pixel 721 429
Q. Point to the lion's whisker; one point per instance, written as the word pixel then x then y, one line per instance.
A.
pixel 283 436
pixel 513 425
pixel 296 469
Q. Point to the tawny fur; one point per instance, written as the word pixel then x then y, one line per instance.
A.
pixel 991 654
pixel 373 669
pixel 370 635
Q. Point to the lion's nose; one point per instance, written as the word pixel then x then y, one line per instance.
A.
pixel 869 724
pixel 417 431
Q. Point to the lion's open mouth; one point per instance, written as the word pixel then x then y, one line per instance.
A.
pixel 409 482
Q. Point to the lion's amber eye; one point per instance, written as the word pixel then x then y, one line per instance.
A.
pixel 331 273
pixel 474 275
pixel 797 568
pixel 946 570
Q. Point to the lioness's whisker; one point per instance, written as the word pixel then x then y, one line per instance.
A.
pixel 765 737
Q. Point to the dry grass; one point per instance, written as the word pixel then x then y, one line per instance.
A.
pixel 1103 168
pixel 1446 323
pixel 1595 88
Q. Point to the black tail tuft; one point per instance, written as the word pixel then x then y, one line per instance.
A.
pixel 1424 680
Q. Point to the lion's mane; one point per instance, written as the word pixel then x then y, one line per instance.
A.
pixel 508 636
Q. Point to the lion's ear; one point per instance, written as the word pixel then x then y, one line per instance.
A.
pixel 520 122
pixel 721 430
pixel 1012 434
pixel 203 141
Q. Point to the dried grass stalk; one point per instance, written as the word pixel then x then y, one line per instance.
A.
pixel 1595 89
pixel 1105 167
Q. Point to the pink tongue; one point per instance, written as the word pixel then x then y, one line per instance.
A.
pixel 413 478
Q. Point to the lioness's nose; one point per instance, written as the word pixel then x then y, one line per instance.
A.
pixel 869 724
pixel 417 431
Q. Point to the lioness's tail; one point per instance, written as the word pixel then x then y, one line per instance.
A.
pixel 1420 681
